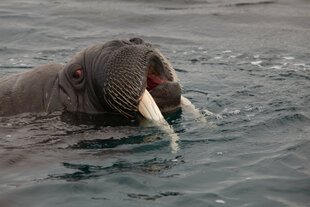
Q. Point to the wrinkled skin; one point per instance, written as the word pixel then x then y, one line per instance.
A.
pixel 108 77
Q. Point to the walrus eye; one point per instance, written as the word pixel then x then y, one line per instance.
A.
pixel 77 74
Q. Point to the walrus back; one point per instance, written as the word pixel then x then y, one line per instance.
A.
pixel 28 91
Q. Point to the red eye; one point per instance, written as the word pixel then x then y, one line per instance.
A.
pixel 77 74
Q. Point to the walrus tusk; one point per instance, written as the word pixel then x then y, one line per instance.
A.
pixel 149 110
pixel 190 108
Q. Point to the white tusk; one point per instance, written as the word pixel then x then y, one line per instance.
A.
pixel 149 110
pixel 190 108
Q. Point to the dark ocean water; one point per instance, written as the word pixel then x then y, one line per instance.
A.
pixel 247 61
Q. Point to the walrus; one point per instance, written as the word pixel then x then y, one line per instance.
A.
pixel 129 77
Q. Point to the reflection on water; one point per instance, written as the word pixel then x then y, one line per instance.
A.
pixel 84 171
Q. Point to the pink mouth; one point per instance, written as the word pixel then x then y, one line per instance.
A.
pixel 153 81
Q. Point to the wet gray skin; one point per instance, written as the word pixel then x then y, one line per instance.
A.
pixel 108 77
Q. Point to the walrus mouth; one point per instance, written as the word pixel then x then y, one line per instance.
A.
pixel 153 76
pixel 147 105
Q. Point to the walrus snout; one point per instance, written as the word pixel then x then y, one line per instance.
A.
pixel 167 96
pixel 131 69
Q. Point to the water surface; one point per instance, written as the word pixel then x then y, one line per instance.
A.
pixel 245 61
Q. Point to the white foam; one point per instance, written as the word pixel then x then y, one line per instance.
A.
pixel 217 57
pixel 300 64
pixel 277 67
pixel 288 58
pixel 256 62
pixel 220 201
pixel 207 112
pixel 219 117
pixel 237 111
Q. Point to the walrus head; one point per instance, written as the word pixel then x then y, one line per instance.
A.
pixel 123 76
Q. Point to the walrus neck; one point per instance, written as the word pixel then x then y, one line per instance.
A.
pixel 50 104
